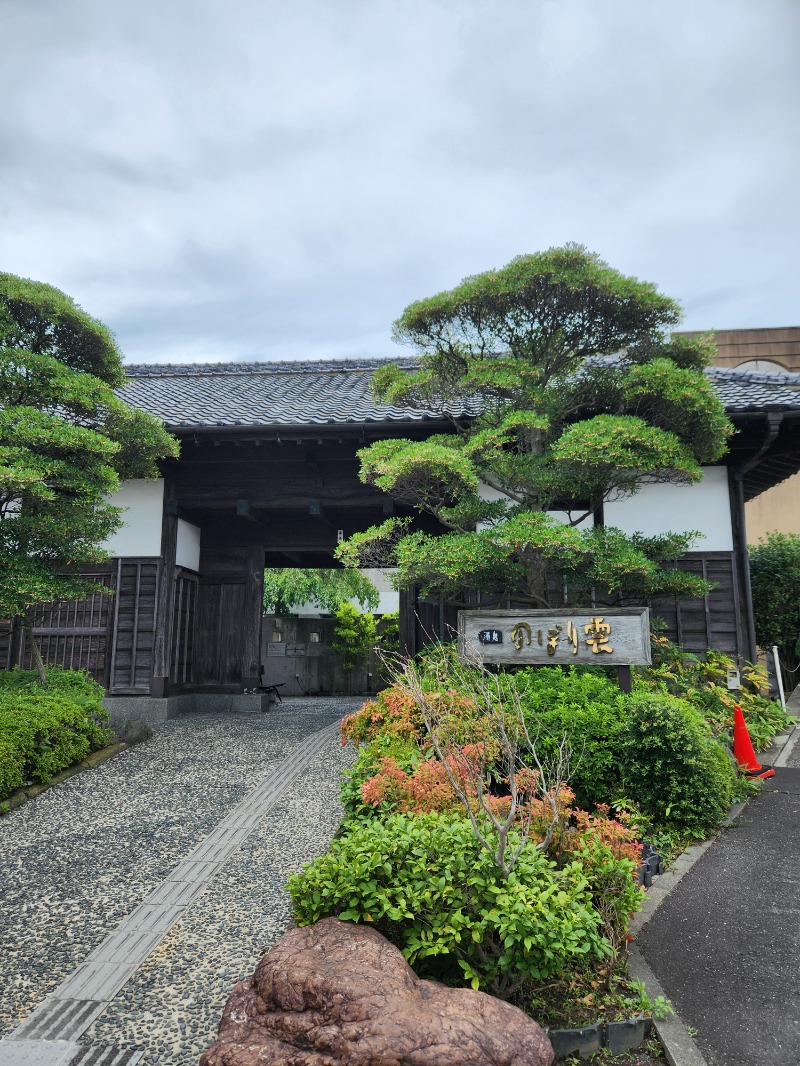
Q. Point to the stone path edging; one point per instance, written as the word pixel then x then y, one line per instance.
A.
pixel 22 795
pixel 57 1022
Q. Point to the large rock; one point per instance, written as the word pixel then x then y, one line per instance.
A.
pixel 339 994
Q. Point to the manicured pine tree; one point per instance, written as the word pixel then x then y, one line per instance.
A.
pixel 65 442
pixel 564 390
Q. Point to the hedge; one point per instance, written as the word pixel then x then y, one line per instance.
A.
pixel 45 730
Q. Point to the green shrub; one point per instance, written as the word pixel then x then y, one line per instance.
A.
pixel 426 883
pixel 354 634
pixel 672 767
pixel 586 706
pixel 45 730
pixel 703 681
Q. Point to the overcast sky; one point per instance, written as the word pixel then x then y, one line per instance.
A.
pixel 250 179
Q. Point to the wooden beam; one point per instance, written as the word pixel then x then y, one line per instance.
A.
pixel 254 595
pixel 162 637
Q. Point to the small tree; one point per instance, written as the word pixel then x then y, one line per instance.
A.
pixel 65 441
pixel 563 391
pixel 502 744
pixel 775 577
pixel 354 635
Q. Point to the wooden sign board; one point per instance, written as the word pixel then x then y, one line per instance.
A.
pixel 602 637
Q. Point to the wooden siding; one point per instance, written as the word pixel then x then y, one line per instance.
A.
pixel 713 621
pixel 7 637
pixel 227 646
pixel 134 627
pixel 220 612
pixel 697 624
pixel 184 609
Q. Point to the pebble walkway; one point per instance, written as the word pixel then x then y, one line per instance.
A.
pixel 191 835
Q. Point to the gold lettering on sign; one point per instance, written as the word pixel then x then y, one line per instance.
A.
pixel 552 639
pixel 572 636
pixel 597 633
pixel 520 634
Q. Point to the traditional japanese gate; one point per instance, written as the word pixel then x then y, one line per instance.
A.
pixel 269 476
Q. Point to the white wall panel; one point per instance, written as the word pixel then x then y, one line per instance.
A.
pixel 486 492
pixel 187 548
pixel 141 532
pixel 674 508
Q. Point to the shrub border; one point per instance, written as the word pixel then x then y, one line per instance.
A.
pixel 29 792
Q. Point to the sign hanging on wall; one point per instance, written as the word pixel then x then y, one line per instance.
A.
pixel 601 636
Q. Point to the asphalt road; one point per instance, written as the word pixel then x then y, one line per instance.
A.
pixel 725 945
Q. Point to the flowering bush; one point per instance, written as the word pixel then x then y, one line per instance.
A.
pixel 424 788
pixel 395 712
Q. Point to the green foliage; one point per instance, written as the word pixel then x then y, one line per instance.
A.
pixel 285 589
pixel 354 635
pixel 703 681
pixel 575 395
pixel 426 883
pixel 775 577
pixel 43 731
pixel 672 767
pixel 65 440
pixel 587 707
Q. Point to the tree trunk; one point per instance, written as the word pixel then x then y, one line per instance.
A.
pixel 35 653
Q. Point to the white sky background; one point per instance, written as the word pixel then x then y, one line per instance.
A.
pixel 263 180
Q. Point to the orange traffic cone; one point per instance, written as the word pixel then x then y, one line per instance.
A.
pixel 743 749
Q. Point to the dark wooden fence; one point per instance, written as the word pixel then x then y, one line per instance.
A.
pixel 110 635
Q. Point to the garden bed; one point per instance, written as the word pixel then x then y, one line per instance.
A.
pixel 487 836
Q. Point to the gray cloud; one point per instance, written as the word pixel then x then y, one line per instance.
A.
pixel 259 180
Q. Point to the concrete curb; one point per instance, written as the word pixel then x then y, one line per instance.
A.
pixel 678 1044
pixel 22 795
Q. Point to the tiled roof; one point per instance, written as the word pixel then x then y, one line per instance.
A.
pixel 337 392
pixel 333 392
pixel 751 390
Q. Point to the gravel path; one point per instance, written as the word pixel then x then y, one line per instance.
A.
pixel 172 1005
pixel 80 857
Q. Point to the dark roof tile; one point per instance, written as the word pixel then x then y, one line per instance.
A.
pixel 337 392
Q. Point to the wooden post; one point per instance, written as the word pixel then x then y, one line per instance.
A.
pixel 624 679
pixel 254 596
pixel 407 622
pixel 162 638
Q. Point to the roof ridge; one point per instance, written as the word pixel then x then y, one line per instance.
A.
pixel 776 376
pixel 281 366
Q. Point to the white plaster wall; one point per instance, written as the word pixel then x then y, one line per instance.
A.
pixel 187 548
pixel 486 492
pixel 390 598
pixel 674 508
pixel 141 532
